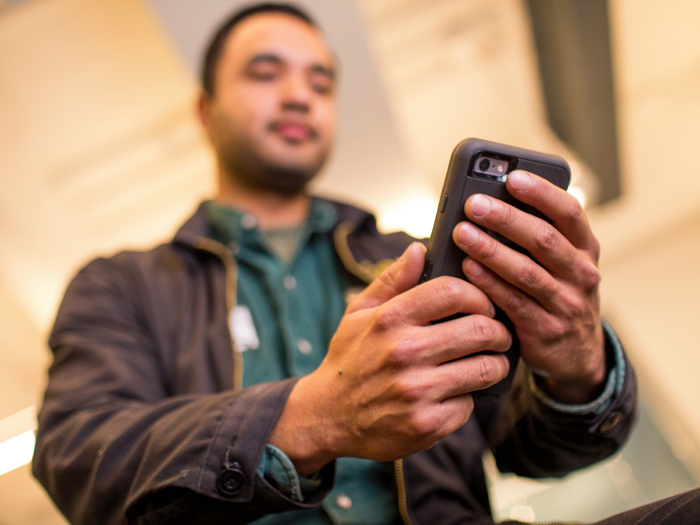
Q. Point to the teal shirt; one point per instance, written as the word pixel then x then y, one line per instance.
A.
pixel 296 308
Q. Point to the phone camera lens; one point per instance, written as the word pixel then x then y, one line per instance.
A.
pixel 484 164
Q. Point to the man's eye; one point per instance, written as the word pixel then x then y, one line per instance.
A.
pixel 321 84
pixel 321 88
pixel 263 74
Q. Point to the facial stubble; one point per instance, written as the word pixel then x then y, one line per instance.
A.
pixel 248 163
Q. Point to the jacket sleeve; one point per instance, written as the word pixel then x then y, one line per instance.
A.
pixel 534 436
pixel 115 446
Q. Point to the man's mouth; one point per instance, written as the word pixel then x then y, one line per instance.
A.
pixel 293 131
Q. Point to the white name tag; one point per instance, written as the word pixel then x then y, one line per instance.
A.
pixel 243 332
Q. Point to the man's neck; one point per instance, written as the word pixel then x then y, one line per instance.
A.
pixel 271 209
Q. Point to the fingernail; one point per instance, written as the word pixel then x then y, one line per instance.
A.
pixel 473 267
pixel 468 234
pixel 510 341
pixel 480 205
pixel 519 180
pixel 506 361
pixel 408 251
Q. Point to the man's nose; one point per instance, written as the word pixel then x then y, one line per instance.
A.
pixel 296 93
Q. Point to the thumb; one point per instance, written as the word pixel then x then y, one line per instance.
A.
pixel 402 275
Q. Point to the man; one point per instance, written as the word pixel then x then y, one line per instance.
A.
pixel 222 378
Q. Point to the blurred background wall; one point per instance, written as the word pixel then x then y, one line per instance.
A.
pixel 100 150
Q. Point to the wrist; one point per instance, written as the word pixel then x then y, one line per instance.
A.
pixel 587 384
pixel 576 391
pixel 303 431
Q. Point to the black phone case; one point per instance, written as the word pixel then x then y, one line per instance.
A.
pixel 445 258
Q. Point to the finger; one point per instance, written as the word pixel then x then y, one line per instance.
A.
pixel 454 412
pixel 562 208
pixel 435 300
pixel 402 275
pixel 516 268
pixel 545 243
pixel 463 337
pixel 517 305
pixel 470 374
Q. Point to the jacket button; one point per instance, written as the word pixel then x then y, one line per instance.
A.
pixel 231 480
pixel 610 422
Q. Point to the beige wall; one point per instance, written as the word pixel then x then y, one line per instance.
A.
pixel 98 143
pixel 98 150
pixel 651 257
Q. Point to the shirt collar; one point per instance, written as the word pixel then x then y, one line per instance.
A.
pixel 229 224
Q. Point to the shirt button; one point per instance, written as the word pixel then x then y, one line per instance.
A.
pixel 304 346
pixel 343 501
pixel 289 282
pixel 248 222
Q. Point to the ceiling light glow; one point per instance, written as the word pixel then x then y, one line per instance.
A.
pixel 16 451
pixel 580 195
pixel 17 439
pixel 414 214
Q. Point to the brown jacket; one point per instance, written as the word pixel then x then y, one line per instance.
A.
pixel 144 420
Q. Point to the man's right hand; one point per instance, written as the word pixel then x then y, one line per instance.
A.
pixel 393 383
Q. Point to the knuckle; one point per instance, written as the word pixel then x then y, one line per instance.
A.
pixel 451 287
pixel 575 213
pixel 467 408
pixel 450 290
pixel 556 330
pixel 403 352
pixel 529 276
pixel 353 305
pixel 491 248
pixel 448 426
pixel 386 317
pixel 514 301
pixel 547 237
pixel 388 278
pixel 487 371
pixel 508 216
pixel 590 277
pixel 457 416
pixel 573 305
pixel 424 424
pixel 595 248
pixel 410 390
pixel 488 281
pixel 482 328
pixel 559 331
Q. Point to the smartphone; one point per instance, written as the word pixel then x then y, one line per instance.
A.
pixel 480 166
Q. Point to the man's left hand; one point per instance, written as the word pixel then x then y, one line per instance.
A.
pixel 552 298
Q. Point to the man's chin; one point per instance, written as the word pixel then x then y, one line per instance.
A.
pixel 289 185
pixel 289 175
pixel 286 173
pixel 286 180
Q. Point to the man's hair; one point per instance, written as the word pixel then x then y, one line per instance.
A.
pixel 216 45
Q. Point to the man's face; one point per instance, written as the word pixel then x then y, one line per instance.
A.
pixel 272 116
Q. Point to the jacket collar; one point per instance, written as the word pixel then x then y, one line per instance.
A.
pixel 198 224
pixel 196 227
pixel 362 249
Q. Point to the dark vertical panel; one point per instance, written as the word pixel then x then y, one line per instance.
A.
pixel 574 51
